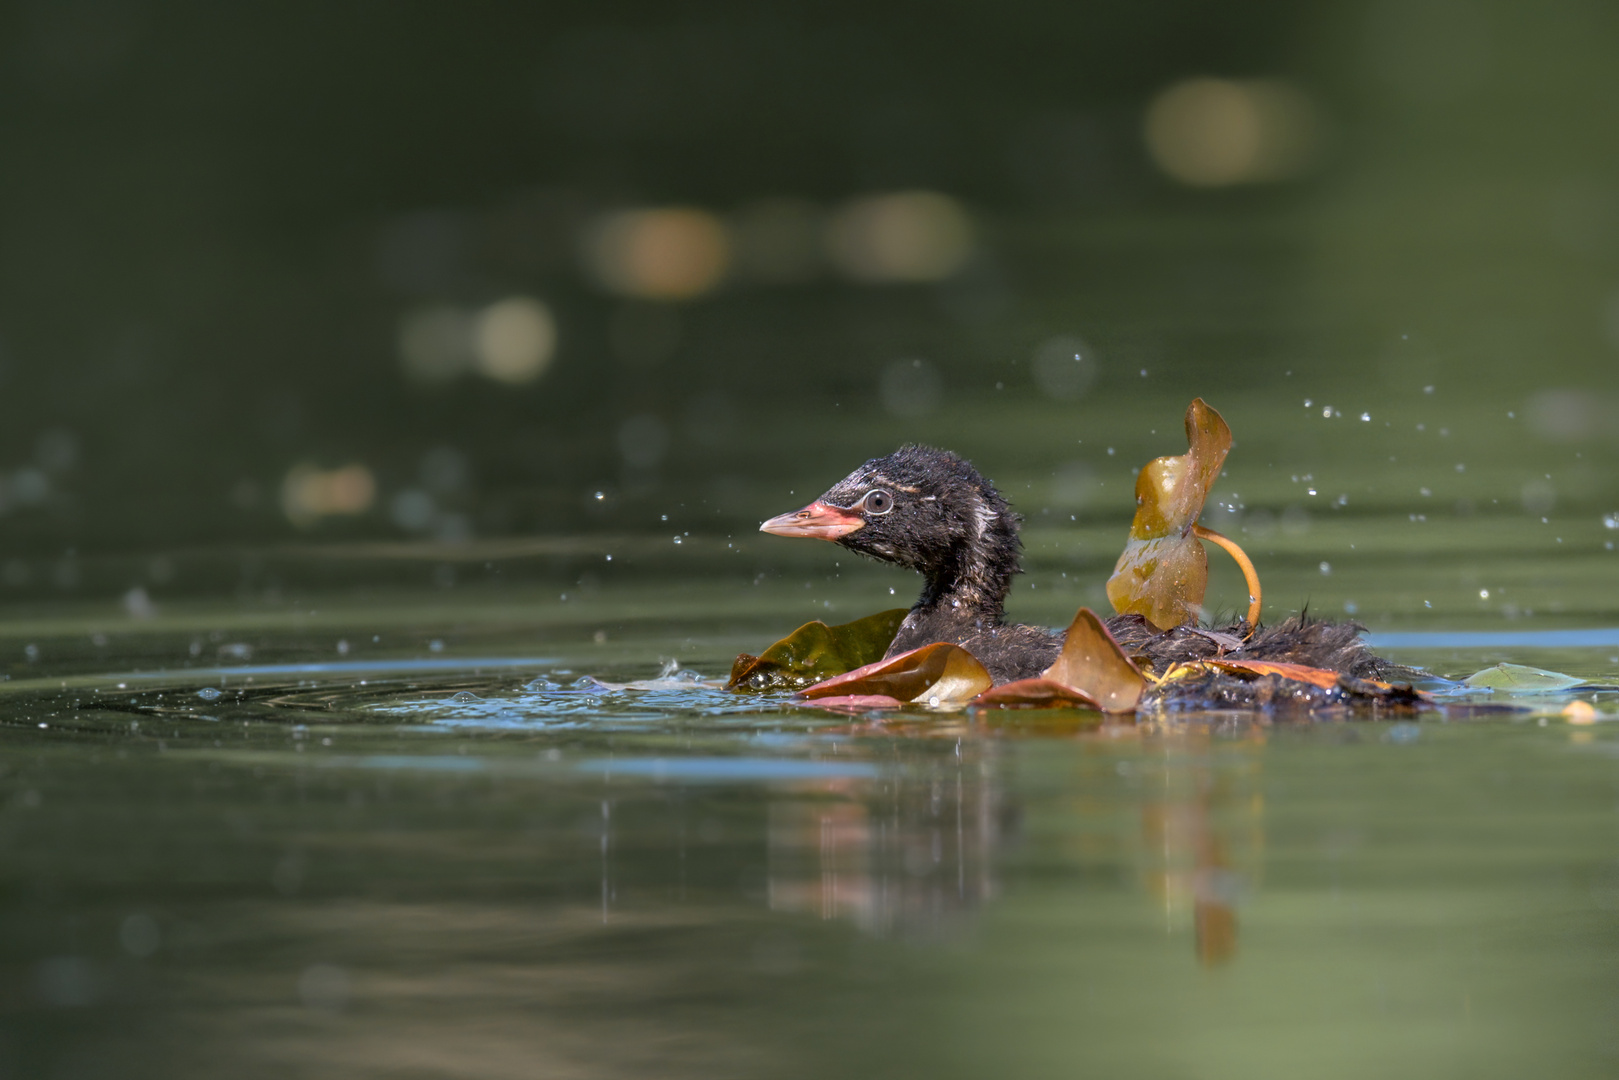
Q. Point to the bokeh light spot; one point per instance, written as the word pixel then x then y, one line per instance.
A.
pixel 514 339
pixel 672 254
pixel 1218 132
pixel 906 236
pixel 310 493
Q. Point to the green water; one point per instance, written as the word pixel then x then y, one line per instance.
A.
pixel 367 820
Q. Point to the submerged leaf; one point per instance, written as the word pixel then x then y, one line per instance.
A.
pixel 1522 680
pixel 937 675
pixel 1164 572
pixel 1091 672
pixel 859 703
pixel 816 651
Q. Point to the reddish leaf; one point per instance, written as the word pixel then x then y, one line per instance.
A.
pixel 816 651
pixel 1091 672
pixel 940 674
pixel 1164 572
pixel 1297 672
pixel 1092 662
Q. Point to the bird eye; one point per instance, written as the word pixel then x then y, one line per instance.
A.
pixel 879 502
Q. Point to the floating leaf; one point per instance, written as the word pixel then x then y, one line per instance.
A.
pixel 938 675
pixel 816 651
pixel 1091 672
pixel 1519 679
pixel 1164 572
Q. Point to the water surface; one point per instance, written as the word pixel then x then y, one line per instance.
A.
pixel 414 830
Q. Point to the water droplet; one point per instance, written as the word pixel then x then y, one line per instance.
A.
pixel 209 693
pixel 1326 568
pixel 465 697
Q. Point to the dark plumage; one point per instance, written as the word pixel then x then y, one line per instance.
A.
pixel 932 512
pixel 945 521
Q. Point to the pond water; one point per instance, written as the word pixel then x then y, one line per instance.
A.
pixel 482 810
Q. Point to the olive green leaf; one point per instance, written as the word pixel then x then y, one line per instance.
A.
pixel 815 652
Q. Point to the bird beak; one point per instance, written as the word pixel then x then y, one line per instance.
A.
pixel 817 520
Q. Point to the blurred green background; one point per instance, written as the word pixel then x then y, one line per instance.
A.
pixel 458 272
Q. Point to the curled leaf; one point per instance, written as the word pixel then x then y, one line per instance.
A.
pixel 938 675
pixel 1091 672
pixel 816 651
pixel 1164 572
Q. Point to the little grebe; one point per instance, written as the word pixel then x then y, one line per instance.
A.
pixel 931 511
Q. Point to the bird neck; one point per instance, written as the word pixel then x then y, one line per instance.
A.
pixel 970 586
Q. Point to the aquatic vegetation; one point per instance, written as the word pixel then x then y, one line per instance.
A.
pixel 941 675
pixel 816 651
pixel 1092 672
pixel 1164 571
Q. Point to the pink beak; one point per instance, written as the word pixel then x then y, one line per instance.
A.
pixel 817 520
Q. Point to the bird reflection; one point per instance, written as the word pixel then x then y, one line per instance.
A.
pixel 912 854
pixel 918 853
pixel 1202 830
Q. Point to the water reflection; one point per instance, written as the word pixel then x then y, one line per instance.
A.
pixel 919 853
pixel 1203 836
pixel 912 856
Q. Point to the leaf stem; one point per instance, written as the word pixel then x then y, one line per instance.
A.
pixel 1244 562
